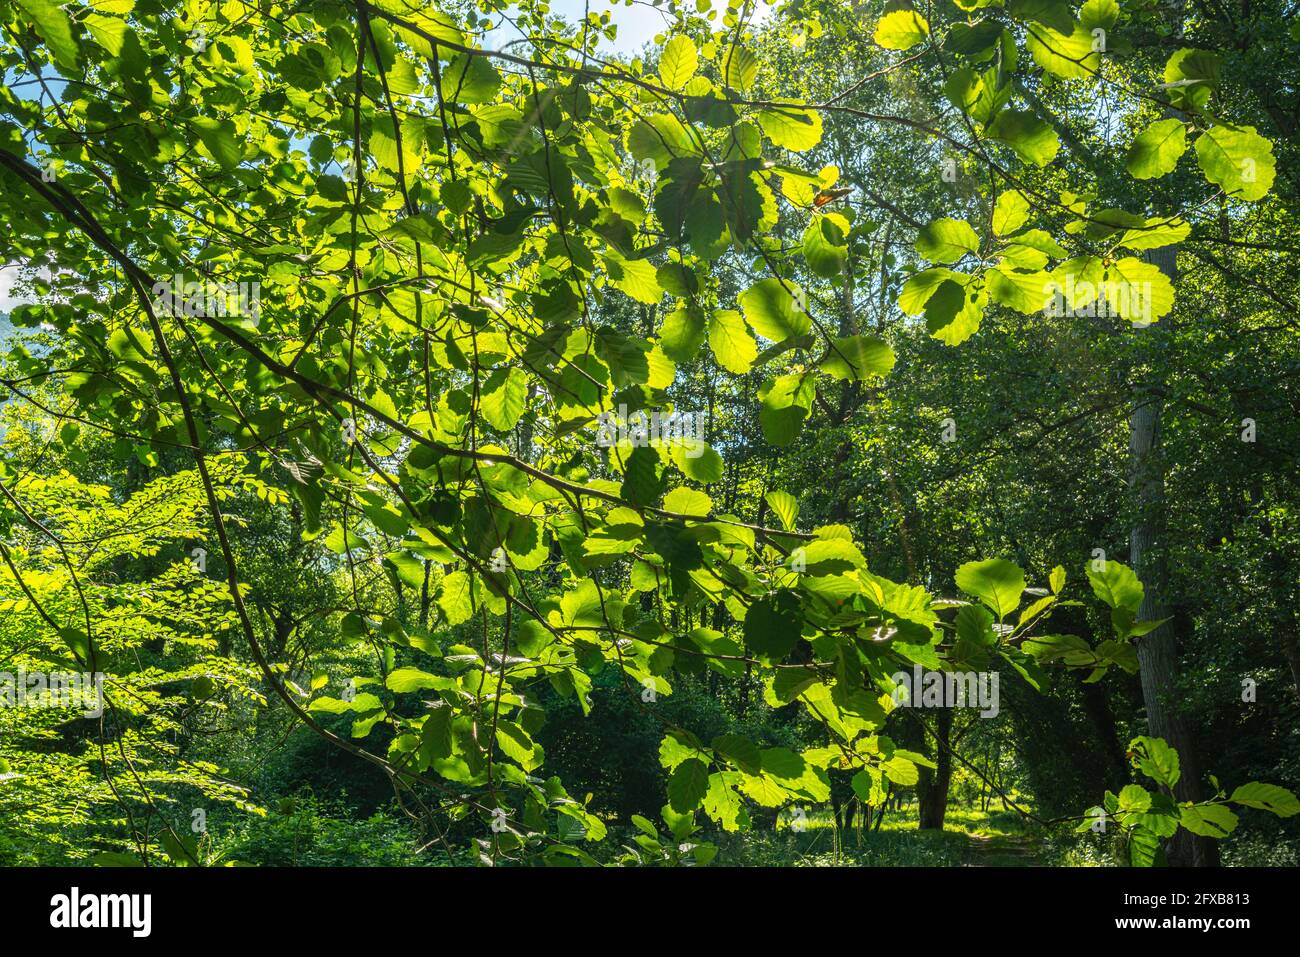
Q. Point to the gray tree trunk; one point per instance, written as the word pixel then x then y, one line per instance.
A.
pixel 1157 650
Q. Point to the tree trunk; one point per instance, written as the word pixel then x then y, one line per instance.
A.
pixel 1292 651
pixel 933 792
pixel 425 598
pixel 1097 707
pixel 1157 650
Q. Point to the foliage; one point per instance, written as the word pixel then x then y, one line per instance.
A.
pixel 466 260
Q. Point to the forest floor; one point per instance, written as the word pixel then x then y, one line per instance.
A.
pixel 971 837
pixel 995 838
pixel 1004 850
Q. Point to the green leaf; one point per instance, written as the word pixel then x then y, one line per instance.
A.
pixel 680 825
pixel 1157 149
pixel 901 30
pixel 773 309
pixel 1057 579
pixel 1267 797
pixel 1026 292
pixel 413 679
pixel 436 740
pixel 384 144
pixel 518 746
pixel 181 849
pixel 783 764
pixel 901 771
pixel 942 307
pixel 740 751
pixel 1032 139
pixel 996 582
pixel 687 785
pixel 408 568
pixel 1070 649
pixel 791 128
pixel 678 62
pixel 55 29
pixel 950 316
pixel 1188 69
pixel 683 332
pixel 739 68
pixel 119 7
pixel 1054 13
pixel 1039 240
pixel 660 138
pixel 974 625
pixel 470 79
pixel 1157 232
pixel 342 541
pixel 457 600
pixel 219 137
pixel 698 461
pixel 869 785
pixel 977 42
pixel 732 344
pixel 785 402
pixel 78 643
pixel 328 705
pixel 676 747
pixel 1138 291
pixel 642 483
pixel 1208 820
pixel 1134 799
pixel 1069 55
pixel 636 277
pixel 855 358
pixel 109 32
pixel 503 397
pixel 1143 847
pixel 1010 212
pixel 723 805
pixel 1102 14
pixel 825 244
pixel 919 288
pixel 786 507
pixel 688 501
pixel 1237 159
pixel 1116 584
pixel 129 343
pixel 965 89
pixel 947 240
pixel 1105 223
pixel 1022 257
pixel 1156 759
pixel 1161 818
pixel 772 626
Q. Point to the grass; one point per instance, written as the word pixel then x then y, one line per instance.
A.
pixel 818 847
pixel 997 838
pixel 971 837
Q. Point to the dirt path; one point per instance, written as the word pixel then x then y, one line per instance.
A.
pixel 1000 851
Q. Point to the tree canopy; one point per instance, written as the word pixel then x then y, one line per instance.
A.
pixel 416 371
